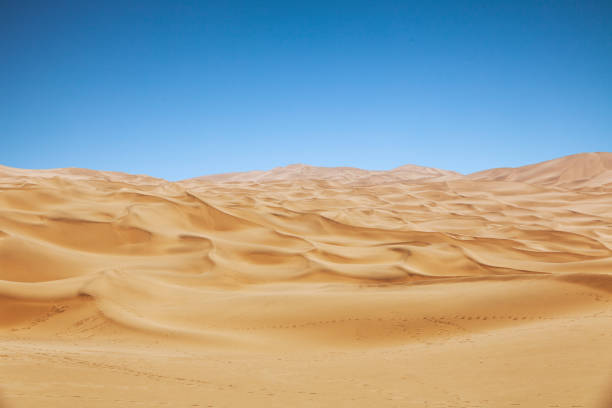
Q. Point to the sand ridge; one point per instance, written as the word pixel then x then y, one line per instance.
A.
pixel 309 274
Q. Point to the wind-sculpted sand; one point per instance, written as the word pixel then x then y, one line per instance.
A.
pixel 306 286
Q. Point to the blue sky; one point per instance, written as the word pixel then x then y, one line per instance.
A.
pixel 178 89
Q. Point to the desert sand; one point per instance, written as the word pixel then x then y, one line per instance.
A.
pixel 308 287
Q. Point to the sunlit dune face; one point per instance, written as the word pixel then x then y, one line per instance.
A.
pixel 410 287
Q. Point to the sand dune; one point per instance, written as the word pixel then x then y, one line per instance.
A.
pixel 586 170
pixel 345 175
pixel 308 286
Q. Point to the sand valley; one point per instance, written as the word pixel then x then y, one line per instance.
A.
pixel 308 287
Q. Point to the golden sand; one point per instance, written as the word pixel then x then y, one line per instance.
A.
pixel 308 287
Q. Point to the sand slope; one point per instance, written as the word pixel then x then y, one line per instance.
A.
pixel 345 175
pixel 308 286
pixel 586 170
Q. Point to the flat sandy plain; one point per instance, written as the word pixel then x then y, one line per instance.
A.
pixel 308 287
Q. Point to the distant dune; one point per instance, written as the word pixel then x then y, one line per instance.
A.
pixel 77 174
pixel 346 175
pixel 586 170
pixel 308 286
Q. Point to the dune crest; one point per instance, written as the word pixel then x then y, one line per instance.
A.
pixel 310 273
pixel 584 170
pixel 345 175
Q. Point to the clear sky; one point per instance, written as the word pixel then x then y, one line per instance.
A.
pixel 178 89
